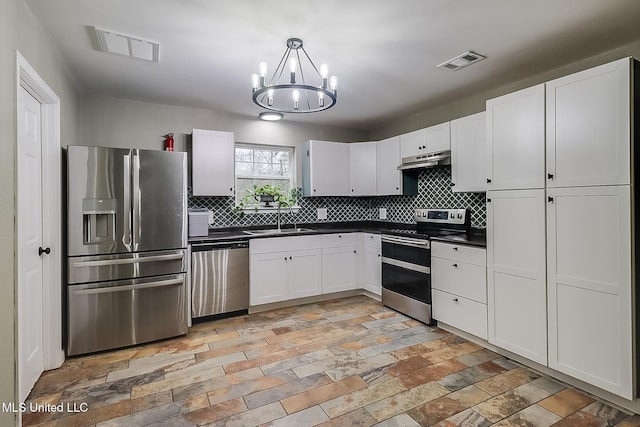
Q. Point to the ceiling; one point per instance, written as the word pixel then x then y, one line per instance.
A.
pixel 384 52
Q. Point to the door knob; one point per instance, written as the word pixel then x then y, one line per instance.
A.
pixel 41 251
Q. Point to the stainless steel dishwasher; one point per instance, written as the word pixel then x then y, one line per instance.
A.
pixel 219 278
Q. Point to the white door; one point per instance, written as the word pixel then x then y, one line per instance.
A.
pixel 516 275
pixel 30 280
pixel 362 168
pixel 268 278
pixel 468 148
pixel 305 273
pixel 329 168
pixel 588 127
pixel 590 286
pixel 339 269
pixel 515 140
pixel 388 177
pixel 438 138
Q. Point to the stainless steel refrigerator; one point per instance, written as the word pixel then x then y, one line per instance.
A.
pixel 126 247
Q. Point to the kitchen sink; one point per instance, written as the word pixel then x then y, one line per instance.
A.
pixel 276 231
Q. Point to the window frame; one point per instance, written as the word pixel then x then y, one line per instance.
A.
pixel 257 146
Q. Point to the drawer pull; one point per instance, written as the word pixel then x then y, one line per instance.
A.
pixel 455 265
pixel 455 248
pixel 455 300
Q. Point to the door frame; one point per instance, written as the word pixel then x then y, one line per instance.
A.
pixel 29 79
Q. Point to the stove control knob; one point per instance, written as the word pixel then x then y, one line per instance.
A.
pixel 459 216
pixel 451 216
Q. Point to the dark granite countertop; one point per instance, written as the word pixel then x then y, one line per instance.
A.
pixel 475 238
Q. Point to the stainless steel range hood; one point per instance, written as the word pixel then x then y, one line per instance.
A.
pixel 441 158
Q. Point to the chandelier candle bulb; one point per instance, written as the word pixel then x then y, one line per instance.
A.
pixel 320 99
pixel 292 69
pixel 296 97
pixel 324 74
pixel 262 69
pixel 270 97
pixel 333 82
pixel 254 82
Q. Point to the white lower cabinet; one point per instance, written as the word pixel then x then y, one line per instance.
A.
pixel 459 282
pixel 516 282
pixel 277 274
pixel 590 286
pixel 339 262
pixel 369 257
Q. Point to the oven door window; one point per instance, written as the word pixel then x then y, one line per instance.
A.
pixel 409 254
pixel 410 283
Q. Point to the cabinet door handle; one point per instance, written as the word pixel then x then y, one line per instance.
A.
pixel 352 190
pixel 453 184
pixel 379 255
pixel 488 200
pixel 290 258
pixel 285 258
pixel 549 176
pixel 454 265
pixel 455 248
pixel 550 199
pixel 488 180
pixel 455 300
pixel 397 188
pixel 354 252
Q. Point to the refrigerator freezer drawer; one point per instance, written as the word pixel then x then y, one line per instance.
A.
pixel 122 266
pixel 103 316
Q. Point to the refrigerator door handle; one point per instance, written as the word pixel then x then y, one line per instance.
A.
pixel 110 289
pixel 136 200
pixel 99 263
pixel 126 232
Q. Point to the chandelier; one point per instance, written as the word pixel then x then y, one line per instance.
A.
pixel 293 93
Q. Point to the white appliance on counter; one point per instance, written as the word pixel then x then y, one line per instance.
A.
pixel 126 247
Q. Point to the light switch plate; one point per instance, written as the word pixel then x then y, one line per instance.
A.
pixel 210 218
pixel 382 213
pixel 322 213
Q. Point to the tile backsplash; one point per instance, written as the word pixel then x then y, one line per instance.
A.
pixel 434 191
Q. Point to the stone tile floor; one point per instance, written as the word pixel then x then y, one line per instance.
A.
pixel 347 362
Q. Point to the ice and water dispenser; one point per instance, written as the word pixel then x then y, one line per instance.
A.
pixel 99 220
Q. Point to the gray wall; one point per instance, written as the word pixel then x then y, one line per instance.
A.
pixel 19 30
pixel 476 103
pixel 112 122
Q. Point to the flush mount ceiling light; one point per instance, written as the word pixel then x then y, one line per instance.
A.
pixel 119 44
pixel 288 95
pixel 271 116
pixel 462 61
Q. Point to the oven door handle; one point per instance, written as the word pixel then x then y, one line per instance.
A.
pixel 424 244
pixel 406 265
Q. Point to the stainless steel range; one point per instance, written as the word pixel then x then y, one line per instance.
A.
pixel 406 260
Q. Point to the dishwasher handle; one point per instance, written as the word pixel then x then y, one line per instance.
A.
pixel 236 244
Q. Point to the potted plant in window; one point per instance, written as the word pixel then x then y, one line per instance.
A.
pixel 263 196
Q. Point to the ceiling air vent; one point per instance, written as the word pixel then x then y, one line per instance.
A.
pixel 133 47
pixel 462 61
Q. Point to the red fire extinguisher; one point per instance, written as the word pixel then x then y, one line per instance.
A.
pixel 168 142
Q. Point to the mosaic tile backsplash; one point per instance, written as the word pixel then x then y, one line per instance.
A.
pixel 434 191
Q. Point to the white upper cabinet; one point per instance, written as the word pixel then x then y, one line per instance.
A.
pixel 213 163
pixel 439 138
pixel 468 150
pixel 388 177
pixel 429 140
pixel 516 274
pixel 590 286
pixel 588 127
pixel 413 143
pixel 515 140
pixel 325 168
pixel 362 168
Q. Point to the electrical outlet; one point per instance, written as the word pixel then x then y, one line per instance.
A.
pixel 210 218
pixel 322 213
pixel 382 213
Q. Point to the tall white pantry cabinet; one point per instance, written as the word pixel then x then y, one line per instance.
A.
pixel 587 198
